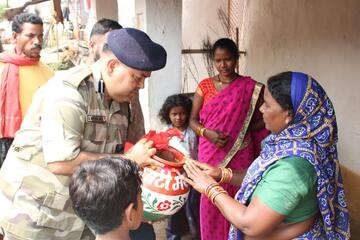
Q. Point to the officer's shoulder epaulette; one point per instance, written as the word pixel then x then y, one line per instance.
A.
pixel 76 75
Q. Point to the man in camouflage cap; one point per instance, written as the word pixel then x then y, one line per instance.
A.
pixel 77 116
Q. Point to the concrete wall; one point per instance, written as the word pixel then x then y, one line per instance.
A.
pixel 105 9
pixel 126 13
pixel 321 38
pixel 140 23
pixel 200 21
pixel 161 20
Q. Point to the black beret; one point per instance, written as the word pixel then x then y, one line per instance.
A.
pixel 135 49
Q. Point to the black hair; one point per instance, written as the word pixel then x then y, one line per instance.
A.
pixel 101 190
pixel 103 26
pixel 22 18
pixel 106 48
pixel 177 100
pixel 279 87
pixel 228 44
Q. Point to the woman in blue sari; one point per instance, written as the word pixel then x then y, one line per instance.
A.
pixel 294 189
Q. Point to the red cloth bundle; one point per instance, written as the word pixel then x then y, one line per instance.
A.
pixel 160 139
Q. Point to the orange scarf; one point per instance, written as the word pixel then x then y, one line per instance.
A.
pixel 10 109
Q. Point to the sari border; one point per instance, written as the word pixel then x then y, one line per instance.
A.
pixel 238 145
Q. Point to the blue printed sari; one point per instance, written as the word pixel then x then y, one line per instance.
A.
pixel 313 136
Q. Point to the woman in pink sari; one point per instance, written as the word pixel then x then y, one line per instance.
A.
pixel 225 115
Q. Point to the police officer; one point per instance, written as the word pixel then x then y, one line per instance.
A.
pixel 77 116
pixel 96 42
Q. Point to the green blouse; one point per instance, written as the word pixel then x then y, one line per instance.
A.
pixel 289 188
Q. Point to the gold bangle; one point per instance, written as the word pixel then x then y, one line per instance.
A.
pixel 202 131
pixel 222 175
pixel 230 175
pixel 209 187
pixel 217 194
pixel 198 129
pixel 226 175
pixel 213 190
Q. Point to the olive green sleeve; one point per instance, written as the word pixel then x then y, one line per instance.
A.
pixel 62 123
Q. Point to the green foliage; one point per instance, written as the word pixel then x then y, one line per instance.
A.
pixel 61 65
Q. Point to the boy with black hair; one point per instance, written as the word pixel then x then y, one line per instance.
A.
pixel 106 195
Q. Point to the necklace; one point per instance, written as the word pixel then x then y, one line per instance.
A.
pixel 225 82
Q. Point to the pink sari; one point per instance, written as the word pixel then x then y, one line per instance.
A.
pixel 230 112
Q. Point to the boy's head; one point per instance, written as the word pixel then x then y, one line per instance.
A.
pixel 176 110
pixel 106 194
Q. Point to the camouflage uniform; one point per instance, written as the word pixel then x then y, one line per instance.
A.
pixel 67 116
pixel 136 126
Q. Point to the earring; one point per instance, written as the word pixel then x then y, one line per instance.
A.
pixel 287 121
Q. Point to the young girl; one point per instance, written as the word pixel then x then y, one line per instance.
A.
pixel 175 113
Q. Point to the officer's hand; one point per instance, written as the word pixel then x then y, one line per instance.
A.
pixel 142 152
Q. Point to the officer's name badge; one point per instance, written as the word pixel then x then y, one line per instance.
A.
pixel 96 118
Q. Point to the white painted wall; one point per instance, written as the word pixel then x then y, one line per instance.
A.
pixel 105 9
pixel 199 20
pixel 126 13
pixel 161 20
pixel 321 38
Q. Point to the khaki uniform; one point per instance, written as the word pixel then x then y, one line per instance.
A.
pixel 67 116
pixel 136 126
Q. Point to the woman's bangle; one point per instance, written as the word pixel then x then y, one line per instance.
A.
pixel 200 130
pixel 217 194
pixel 210 186
pixel 229 175
pixel 226 175
pixel 213 190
